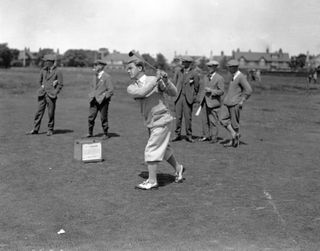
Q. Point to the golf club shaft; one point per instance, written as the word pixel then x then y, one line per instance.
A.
pixel 131 53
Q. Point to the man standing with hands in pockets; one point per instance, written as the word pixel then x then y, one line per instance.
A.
pixel 99 98
pixel 51 83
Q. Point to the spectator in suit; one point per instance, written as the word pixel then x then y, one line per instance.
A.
pixel 99 98
pixel 51 83
pixel 212 89
pixel 187 84
pixel 239 91
pixel 149 91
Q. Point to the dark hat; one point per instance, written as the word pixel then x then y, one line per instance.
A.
pixel 212 63
pixel 99 61
pixel 233 62
pixel 49 57
pixel 186 59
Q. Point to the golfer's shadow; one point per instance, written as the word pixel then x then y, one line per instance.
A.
pixel 163 178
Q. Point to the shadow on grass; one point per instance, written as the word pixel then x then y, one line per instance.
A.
pixel 62 131
pixel 163 178
pixel 110 134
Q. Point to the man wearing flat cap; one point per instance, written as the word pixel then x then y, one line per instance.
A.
pixel 51 83
pixel 187 84
pixel 239 91
pixel 99 98
pixel 212 89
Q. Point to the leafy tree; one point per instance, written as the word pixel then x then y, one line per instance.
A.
pixel 78 58
pixel 41 54
pixel 202 64
pixel 161 62
pixel 5 55
pixel 149 59
pixel 15 54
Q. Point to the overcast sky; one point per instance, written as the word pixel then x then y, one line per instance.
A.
pixel 166 26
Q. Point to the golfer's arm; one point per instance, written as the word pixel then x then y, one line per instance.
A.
pixel 141 91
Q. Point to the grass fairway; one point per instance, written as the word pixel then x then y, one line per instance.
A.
pixel 263 195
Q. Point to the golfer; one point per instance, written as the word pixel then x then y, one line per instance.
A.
pixel 149 92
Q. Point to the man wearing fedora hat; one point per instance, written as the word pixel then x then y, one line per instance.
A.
pixel 51 82
pixel 239 91
pixel 187 83
pixel 99 98
pixel 211 92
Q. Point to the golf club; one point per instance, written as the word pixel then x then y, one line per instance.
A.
pixel 132 53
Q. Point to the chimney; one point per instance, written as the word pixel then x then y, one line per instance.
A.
pixel 267 50
pixel 222 53
pixel 233 54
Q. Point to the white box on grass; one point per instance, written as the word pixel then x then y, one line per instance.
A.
pixel 88 150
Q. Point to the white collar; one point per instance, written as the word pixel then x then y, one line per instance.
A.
pixel 100 74
pixel 236 75
pixel 142 79
pixel 212 74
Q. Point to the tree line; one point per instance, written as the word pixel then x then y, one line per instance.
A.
pixel 85 58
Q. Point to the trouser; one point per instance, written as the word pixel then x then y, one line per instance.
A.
pixel 230 115
pixel 94 108
pixel 158 147
pixel 210 121
pixel 183 108
pixel 51 105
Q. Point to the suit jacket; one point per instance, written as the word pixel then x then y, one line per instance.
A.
pixel 191 84
pixel 239 90
pixel 101 88
pixel 52 82
pixel 153 107
pixel 215 90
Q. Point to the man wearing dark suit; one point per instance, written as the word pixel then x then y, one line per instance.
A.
pixel 239 91
pixel 211 92
pixel 51 83
pixel 187 85
pixel 99 98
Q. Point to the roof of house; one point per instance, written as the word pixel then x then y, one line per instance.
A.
pixel 269 57
pixel 26 55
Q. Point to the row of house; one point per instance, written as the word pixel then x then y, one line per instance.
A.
pixel 265 61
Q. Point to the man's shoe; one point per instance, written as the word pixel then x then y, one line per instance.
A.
pixel 49 133
pixel 176 138
pixel 213 141
pixel 105 137
pixel 203 139
pixel 32 132
pixel 146 185
pixel 236 141
pixel 89 135
pixel 189 139
pixel 178 175
pixel 229 144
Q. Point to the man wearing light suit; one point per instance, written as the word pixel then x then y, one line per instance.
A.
pixel 211 92
pixel 187 85
pixel 51 83
pixel 149 92
pixel 99 98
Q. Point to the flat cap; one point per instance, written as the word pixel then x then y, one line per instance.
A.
pixel 99 61
pixel 186 59
pixel 49 57
pixel 212 63
pixel 233 62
